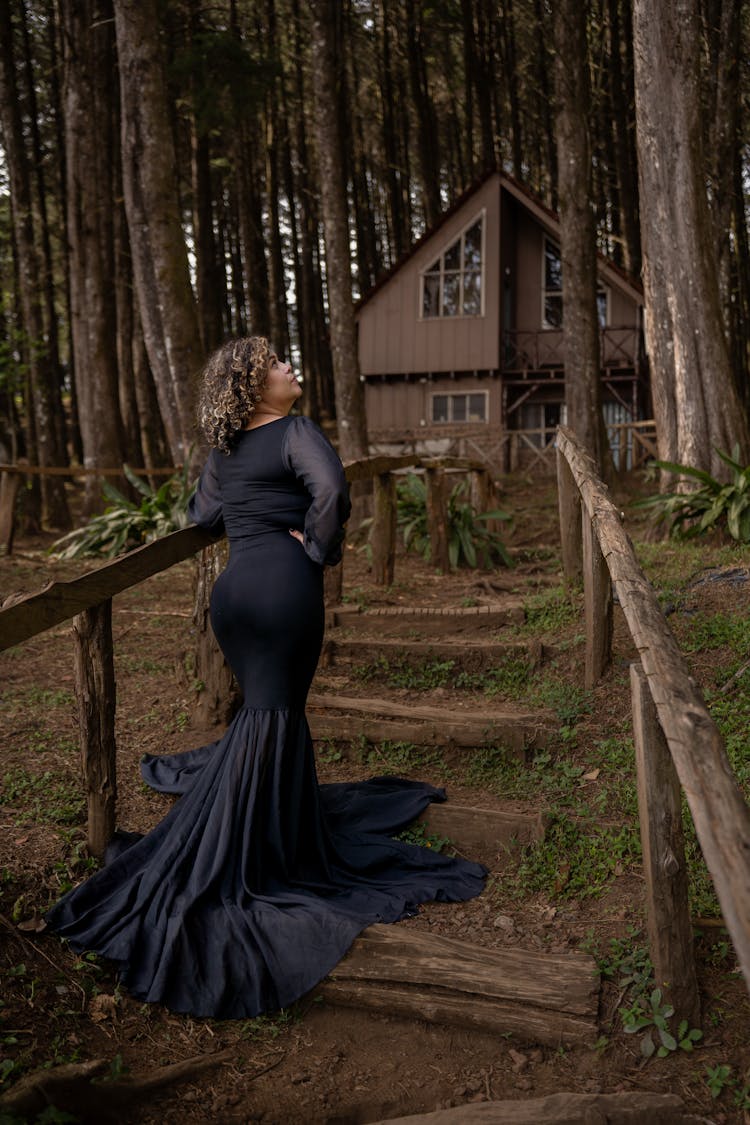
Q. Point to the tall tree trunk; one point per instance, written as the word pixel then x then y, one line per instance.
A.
pixel 577 229
pixel 696 402
pixel 44 388
pixel 427 138
pixel 89 122
pixel 160 267
pixel 277 275
pixel 350 399
pixel 622 120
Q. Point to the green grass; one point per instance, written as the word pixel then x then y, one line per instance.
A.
pixel 45 798
pixel 550 611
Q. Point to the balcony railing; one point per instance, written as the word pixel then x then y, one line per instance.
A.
pixel 525 351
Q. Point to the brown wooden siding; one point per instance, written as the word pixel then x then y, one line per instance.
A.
pixel 394 340
pixel 398 404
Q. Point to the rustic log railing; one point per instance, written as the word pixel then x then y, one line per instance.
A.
pixel 88 600
pixel 677 742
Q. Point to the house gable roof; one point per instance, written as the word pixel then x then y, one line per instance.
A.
pixel 544 215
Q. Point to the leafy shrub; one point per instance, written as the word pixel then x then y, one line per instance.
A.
pixel 711 505
pixel 470 541
pixel 125 524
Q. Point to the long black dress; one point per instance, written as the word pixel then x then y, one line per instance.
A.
pixel 257 881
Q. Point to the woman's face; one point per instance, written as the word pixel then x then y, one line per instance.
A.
pixel 281 389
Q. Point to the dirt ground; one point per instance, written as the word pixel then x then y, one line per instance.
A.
pixel 317 1063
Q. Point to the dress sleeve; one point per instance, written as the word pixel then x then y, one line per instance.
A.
pixel 307 452
pixel 204 506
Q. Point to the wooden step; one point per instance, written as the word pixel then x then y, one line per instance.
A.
pixel 540 998
pixel 634 1107
pixel 466 655
pixel 430 620
pixel 346 718
pixel 471 829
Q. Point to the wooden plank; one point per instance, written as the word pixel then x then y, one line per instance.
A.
pixel 437 500
pixel 635 1107
pixel 383 531
pixel 544 998
pixel 450 619
pixel 569 508
pixel 347 728
pixel 467 655
pixel 375 706
pixel 471 828
pixel 95 694
pixel 597 601
pixel 58 601
pixel 9 486
pixel 718 808
pixel 660 812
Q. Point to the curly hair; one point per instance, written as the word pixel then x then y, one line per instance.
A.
pixel 231 386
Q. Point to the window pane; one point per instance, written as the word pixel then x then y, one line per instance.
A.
pixel 601 308
pixel 431 295
pixel 552 267
pixel 452 256
pixel 477 408
pixel 450 294
pixel 434 268
pixel 472 294
pixel 553 310
pixel 473 247
pixel 458 402
pixel 440 408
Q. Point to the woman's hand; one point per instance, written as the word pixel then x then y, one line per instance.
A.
pixel 297 535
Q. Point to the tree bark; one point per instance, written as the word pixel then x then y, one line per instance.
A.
pixel 350 399
pixel 696 403
pixel 162 281
pixel 88 63
pixel 44 391
pixel 577 229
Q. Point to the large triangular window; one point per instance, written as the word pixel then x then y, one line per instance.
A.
pixel 453 285
pixel 552 300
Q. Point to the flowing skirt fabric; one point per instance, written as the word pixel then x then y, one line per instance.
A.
pixel 257 881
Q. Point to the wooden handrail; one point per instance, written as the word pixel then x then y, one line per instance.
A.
pixel 28 615
pixel 720 813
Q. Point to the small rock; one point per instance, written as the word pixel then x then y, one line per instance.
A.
pixel 504 922
pixel 520 1062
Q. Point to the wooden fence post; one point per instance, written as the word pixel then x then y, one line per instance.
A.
pixel 333 584
pixel 9 485
pixel 218 691
pixel 569 507
pixel 95 693
pixel 597 600
pixel 660 812
pixel 437 522
pixel 383 533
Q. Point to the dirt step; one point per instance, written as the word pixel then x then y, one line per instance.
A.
pixel 471 829
pixel 467 655
pixel 430 620
pixel 539 997
pixel 381 719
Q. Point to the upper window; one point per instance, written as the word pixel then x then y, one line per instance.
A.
pixel 552 312
pixel 453 284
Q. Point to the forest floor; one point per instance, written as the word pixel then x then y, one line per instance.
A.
pixel 580 888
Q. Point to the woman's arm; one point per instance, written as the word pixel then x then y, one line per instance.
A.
pixel 314 461
pixel 204 506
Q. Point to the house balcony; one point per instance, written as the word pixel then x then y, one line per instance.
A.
pixel 530 353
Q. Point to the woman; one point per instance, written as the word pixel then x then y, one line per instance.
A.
pixel 257 881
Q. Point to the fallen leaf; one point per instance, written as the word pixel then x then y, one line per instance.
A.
pixel 33 925
pixel 591 775
pixel 102 1007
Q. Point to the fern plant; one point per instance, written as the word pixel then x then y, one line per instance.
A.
pixel 470 541
pixel 712 504
pixel 125 524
